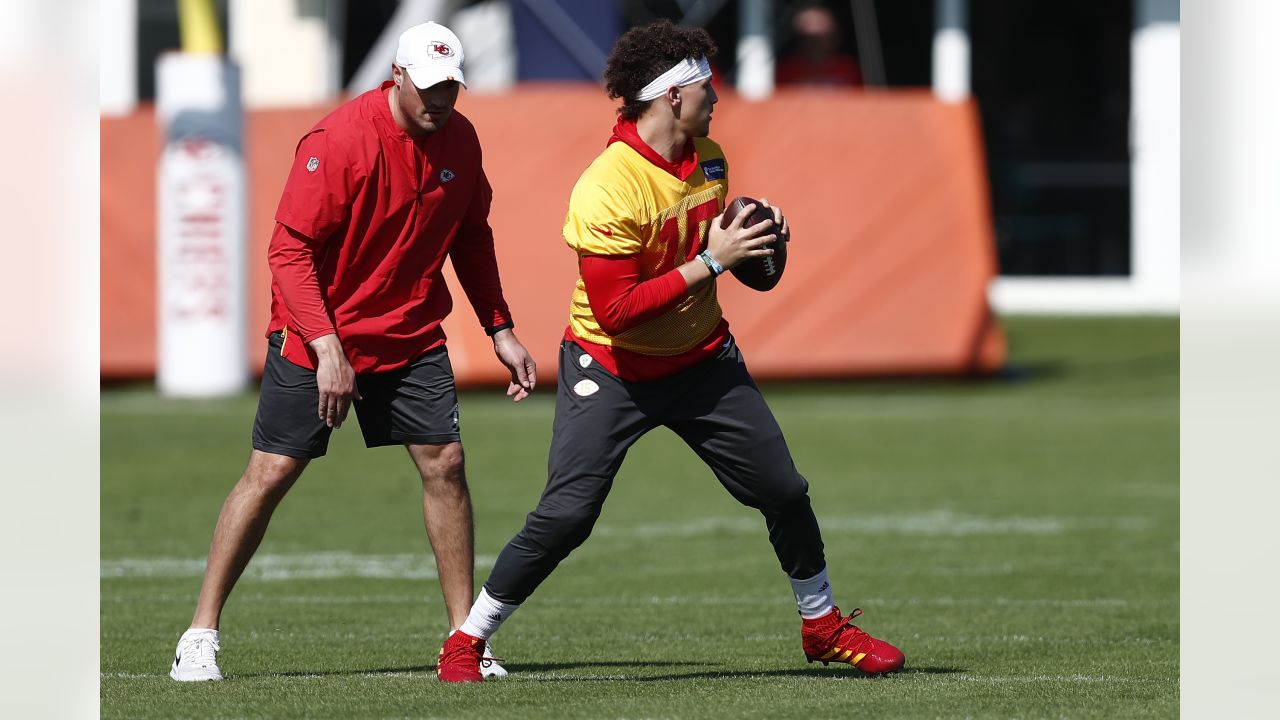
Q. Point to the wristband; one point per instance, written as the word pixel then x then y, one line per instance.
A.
pixel 499 328
pixel 716 268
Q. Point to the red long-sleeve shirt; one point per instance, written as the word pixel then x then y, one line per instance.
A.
pixel 366 220
pixel 622 299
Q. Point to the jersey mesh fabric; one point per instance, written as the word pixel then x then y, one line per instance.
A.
pixel 624 204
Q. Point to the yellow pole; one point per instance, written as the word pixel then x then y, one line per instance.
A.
pixel 198 25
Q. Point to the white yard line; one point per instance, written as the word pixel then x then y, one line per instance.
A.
pixel 300 566
pixel 935 523
pixel 730 672
pixel 775 599
pixel 1084 679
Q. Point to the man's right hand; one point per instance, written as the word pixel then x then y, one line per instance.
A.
pixel 335 378
pixel 731 245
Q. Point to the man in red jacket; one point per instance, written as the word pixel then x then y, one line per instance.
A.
pixel 380 193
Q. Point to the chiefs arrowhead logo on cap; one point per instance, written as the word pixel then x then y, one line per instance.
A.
pixel 440 50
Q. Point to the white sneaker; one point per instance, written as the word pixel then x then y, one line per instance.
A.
pixel 197 656
pixel 489 666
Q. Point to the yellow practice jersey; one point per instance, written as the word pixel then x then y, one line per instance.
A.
pixel 624 204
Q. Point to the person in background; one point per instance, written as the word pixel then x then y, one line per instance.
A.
pixel 817 59
pixel 382 191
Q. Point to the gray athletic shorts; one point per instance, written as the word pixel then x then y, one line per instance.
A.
pixel 416 405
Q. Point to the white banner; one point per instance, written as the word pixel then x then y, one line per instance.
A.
pixel 201 226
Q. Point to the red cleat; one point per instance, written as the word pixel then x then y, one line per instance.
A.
pixel 834 638
pixel 460 659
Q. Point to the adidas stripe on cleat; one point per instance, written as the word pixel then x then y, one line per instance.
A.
pixel 834 638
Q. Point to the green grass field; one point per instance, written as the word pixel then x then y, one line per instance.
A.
pixel 1018 538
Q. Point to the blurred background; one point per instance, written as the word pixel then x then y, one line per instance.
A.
pixel 946 159
pixel 978 329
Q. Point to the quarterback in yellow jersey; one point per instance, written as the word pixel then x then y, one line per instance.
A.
pixel 647 346
pixel 625 205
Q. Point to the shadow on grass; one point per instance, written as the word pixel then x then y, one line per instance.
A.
pixel 799 672
pixel 1032 371
pixel 517 670
pixel 432 668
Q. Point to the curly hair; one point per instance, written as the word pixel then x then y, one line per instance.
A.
pixel 645 52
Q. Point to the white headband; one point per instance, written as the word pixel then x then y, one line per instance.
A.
pixel 683 73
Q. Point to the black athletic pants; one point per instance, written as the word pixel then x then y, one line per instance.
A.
pixel 714 406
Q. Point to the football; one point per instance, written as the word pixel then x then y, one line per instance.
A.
pixel 758 273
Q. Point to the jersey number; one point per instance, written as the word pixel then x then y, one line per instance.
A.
pixel 695 243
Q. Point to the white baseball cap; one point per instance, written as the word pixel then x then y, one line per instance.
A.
pixel 430 53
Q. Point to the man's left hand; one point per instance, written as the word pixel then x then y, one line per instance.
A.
pixel 518 360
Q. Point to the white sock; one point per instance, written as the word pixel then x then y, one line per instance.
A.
pixel 813 596
pixel 486 616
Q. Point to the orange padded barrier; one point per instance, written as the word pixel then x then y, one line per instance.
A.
pixel 886 194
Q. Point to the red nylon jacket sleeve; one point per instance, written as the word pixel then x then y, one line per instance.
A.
pixel 291 256
pixel 619 299
pixel 476 263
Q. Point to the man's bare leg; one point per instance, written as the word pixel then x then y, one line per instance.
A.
pixel 241 525
pixel 446 511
